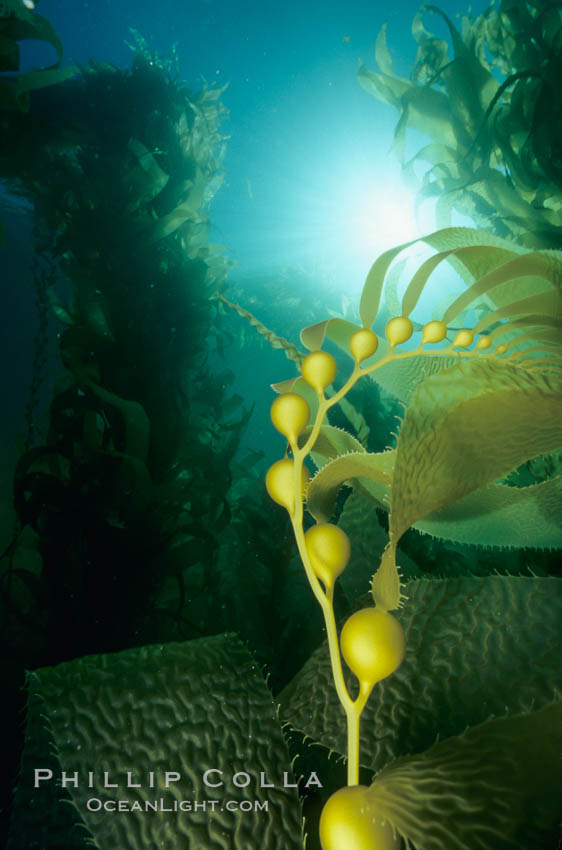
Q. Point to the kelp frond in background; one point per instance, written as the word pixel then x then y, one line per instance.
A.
pixel 291 351
pixel 481 399
pixel 119 166
pixel 493 110
pixel 17 22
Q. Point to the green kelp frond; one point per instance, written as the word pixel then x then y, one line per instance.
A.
pixel 183 697
pixel 516 295
pixel 491 108
pixel 453 627
pixel 482 390
pixel 473 791
pixel 472 712
pixel 475 406
pixel 18 23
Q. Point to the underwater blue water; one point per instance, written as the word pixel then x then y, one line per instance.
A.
pixel 310 180
pixel 308 149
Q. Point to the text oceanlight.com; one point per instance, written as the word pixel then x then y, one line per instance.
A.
pixel 94 804
pixel 213 781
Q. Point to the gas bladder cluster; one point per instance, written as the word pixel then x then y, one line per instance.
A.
pixel 449 373
pixel 372 641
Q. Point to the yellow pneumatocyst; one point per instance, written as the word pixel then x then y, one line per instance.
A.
pixel 363 344
pixel 290 414
pixel 464 338
pixel 484 342
pixel 347 822
pixel 434 331
pixel 319 370
pixel 398 330
pixel 329 549
pixel 280 483
pixel 373 644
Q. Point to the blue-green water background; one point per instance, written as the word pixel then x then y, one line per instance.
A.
pixel 306 145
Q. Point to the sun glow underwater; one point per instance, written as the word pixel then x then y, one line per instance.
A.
pixel 357 215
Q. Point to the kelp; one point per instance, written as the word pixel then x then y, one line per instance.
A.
pixel 424 797
pixel 463 421
pixel 17 23
pixel 136 459
pixel 449 748
pixel 493 111
pixel 183 698
pixel 455 778
pixel 479 402
pixel 466 427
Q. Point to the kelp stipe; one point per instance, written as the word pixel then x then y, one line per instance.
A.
pixel 477 408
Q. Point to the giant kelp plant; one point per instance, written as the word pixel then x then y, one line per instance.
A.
pixel 120 167
pixel 129 497
pixel 479 402
pixel 123 494
pixel 134 523
pixel 451 738
pixel 493 111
